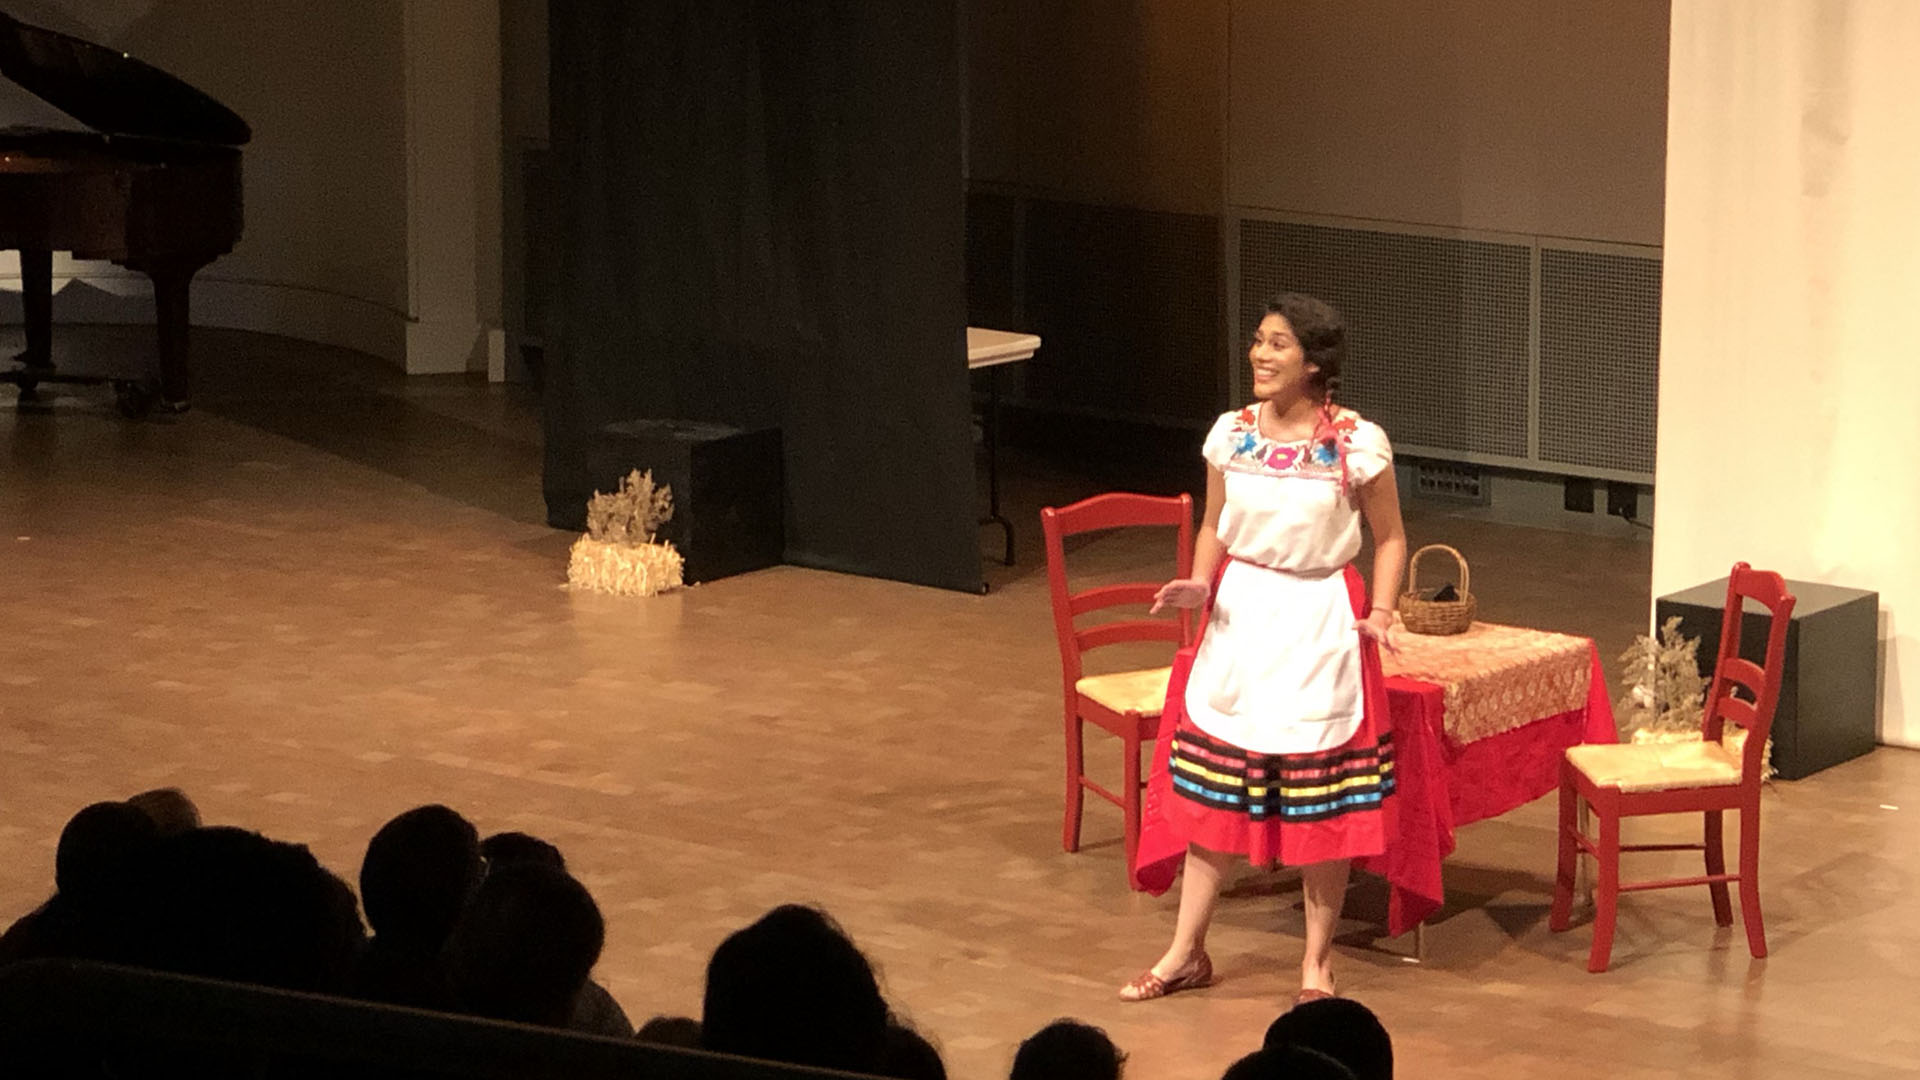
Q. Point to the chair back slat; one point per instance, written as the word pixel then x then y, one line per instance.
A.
pixel 1106 596
pixel 1113 510
pixel 1764 586
pixel 1119 509
pixel 1743 672
pixel 1762 680
pixel 1118 633
pixel 1732 710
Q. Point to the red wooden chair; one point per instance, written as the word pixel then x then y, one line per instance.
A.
pixel 1720 772
pixel 1126 703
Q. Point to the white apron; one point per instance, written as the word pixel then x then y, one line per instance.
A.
pixel 1278 671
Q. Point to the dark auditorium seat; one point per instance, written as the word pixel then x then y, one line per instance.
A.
pixel 62 1018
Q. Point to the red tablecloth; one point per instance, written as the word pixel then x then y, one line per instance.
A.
pixel 1442 784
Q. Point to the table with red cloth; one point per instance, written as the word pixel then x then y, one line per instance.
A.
pixel 1480 723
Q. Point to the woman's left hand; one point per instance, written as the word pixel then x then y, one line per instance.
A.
pixel 1378 625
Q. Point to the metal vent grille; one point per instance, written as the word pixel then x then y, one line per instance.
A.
pixel 1437 348
pixel 1456 483
pixel 1599 358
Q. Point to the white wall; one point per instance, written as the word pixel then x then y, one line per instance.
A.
pixel 1788 385
pixel 1539 117
pixel 1523 116
pixel 452 55
pixel 1096 102
pixel 354 235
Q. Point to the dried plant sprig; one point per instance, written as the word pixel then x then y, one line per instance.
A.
pixel 1665 689
pixel 632 515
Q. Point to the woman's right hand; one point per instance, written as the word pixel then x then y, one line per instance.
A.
pixel 1180 593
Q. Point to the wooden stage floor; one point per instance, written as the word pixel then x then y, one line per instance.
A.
pixel 325 596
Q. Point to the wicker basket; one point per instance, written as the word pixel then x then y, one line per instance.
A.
pixel 1421 614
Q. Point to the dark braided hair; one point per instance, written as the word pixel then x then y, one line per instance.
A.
pixel 1322 335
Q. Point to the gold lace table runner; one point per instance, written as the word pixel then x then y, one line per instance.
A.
pixel 1497 678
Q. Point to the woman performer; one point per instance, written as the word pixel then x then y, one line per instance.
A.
pixel 1283 753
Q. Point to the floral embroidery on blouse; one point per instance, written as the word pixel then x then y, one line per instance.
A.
pixel 1254 452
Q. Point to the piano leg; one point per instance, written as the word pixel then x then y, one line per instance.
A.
pixel 171 278
pixel 36 298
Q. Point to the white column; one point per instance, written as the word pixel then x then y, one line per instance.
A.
pixel 1790 358
pixel 453 186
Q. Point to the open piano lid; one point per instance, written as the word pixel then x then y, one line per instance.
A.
pixel 110 91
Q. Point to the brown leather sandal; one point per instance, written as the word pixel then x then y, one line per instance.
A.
pixel 1146 986
pixel 1312 993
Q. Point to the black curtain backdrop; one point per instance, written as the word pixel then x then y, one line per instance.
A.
pixel 761 218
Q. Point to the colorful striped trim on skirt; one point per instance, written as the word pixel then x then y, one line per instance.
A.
pixel 1316 786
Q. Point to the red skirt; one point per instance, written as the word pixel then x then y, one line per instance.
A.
pixel 1291 809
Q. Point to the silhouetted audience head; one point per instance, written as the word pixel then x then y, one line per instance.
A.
pixel 1287 1063
pixel 419 872
pixel 525 945
pixel 169 808
pixel 910 1055
pixel 1067 1050
pixel 101 870
pixel 507 848
pixel 232 904
pixel 1340 1028
pixel 595 1012
pixel 104 851
pixel 793 987
pixel 680 1031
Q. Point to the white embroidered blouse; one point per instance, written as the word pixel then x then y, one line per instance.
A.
pixel 1285 508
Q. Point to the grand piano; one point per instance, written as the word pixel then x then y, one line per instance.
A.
pixel 154 186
